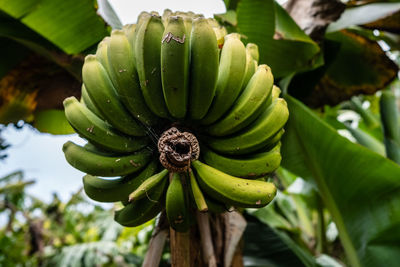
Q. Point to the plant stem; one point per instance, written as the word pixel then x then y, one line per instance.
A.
pixel 206 239
pixel 180 248
pixel 157 243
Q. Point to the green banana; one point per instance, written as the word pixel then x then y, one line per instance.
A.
pixel 103 95
pixel 176 206
pixel 271 142
pixel 220 31
pixel 113 190
pixel 249 166
pixel 251 67
pixel 147 186
pixel 175 67
pixel 125 79
pixel 130 33
pixel 147 54
pixel 101 53
pixel 256 135
pixel 165 16
pixel 251 63
pixel 95 164
pixel 197 195
pixel 234 191
pixel 214 206
pixel 248 106
pixel 95 149
pixel 98 132
pixel 232 68
pixel 143 210
pixel 188 21
pixel 276 91
pixel 204 59
pixel 89 103
pixel 252 49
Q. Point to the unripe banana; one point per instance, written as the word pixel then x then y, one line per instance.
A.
pixel 257 135
pixel 248 106
pixel 197 195
pixel 130 33
pixel 97 150
pixel 125 79
pixel 175 67
pixel 101 53
pixel 187 20
pixel 231 72
pixel 220 31
pixel 271 142
pixel 143 210
pixel 276 91
pixel 147 186
pixel 251 67
pixel 204 61
pixel 95 164
pixel 165 16
pixel 103 95
pixel 98 132
pixel 113 190
pixel 214 206
pixel 249 166
pixel 176 205
pixel 89 103
pixel 147 54
pixel 232 190
pixel 252 49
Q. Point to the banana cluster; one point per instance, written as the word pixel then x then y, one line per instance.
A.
pixel 183 72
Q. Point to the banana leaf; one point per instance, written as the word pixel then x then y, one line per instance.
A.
pixel 360 188
pixel 267 246
pixel 282 44
pixel 72 25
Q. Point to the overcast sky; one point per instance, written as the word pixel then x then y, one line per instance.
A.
pixel 40 155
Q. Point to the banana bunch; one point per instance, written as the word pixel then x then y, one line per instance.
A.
pixel 184 117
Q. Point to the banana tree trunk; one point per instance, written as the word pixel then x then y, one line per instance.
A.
pixel 215 240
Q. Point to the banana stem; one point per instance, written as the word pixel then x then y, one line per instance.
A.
pixel 206 239
pixel 179 245
pixel 235 224
pixel 157 243
pixel 180 248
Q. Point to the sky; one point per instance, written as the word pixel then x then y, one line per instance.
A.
pixel 40 155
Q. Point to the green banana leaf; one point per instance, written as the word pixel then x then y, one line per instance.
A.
pixel 360 188
pixel 72 25
pixel 52 121
pixel 282 44
pixel 24 40
pixel 267 246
